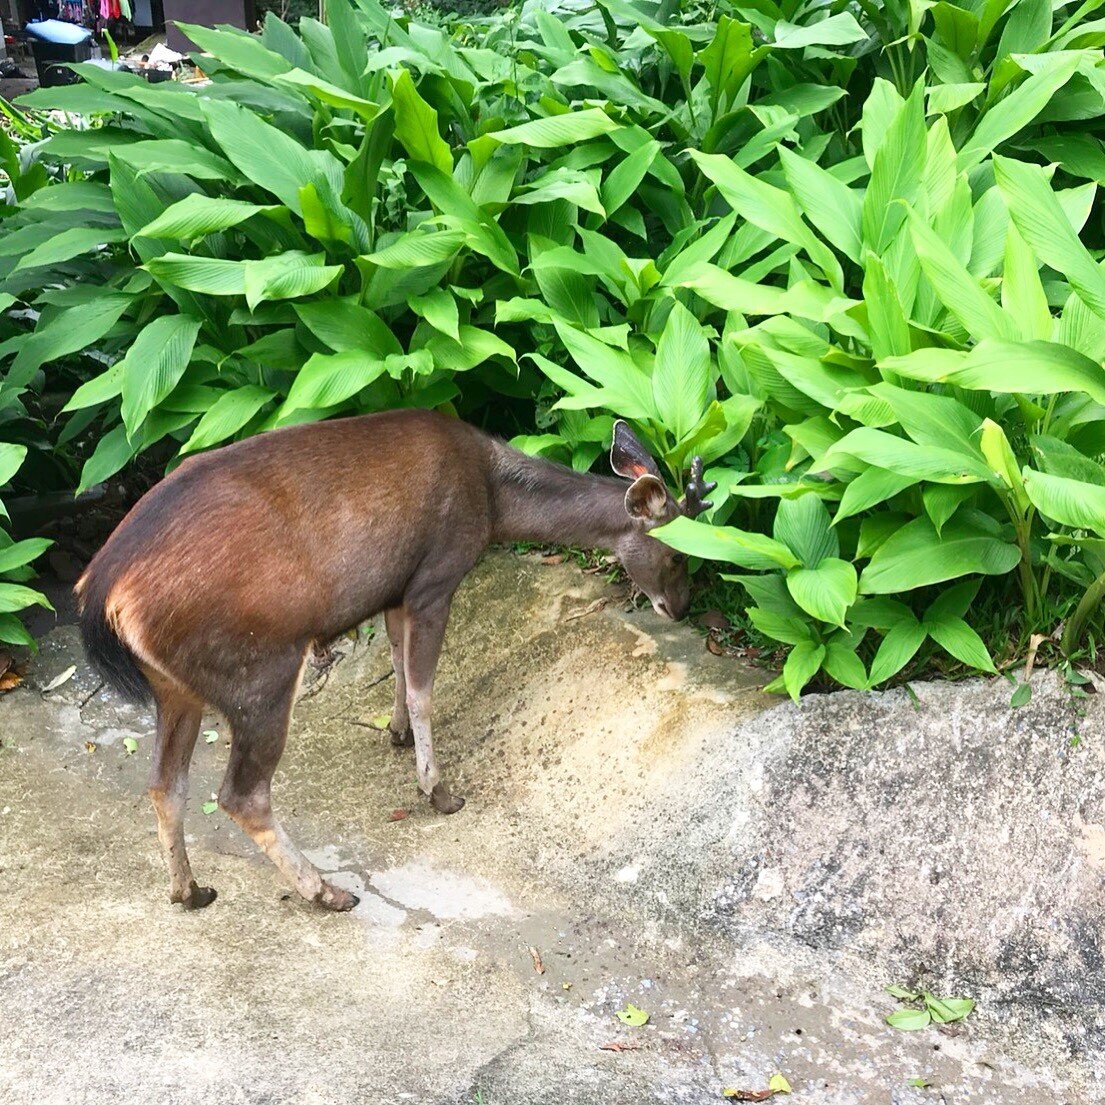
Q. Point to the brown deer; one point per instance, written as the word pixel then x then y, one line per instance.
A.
pixel 214 587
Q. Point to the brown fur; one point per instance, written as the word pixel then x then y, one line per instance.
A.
pixel 220 578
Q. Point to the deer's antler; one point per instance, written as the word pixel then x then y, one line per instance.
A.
pixel 694 500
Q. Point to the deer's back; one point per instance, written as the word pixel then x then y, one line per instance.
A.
pixel 296 534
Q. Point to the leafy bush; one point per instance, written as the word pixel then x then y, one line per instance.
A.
pixel 846 255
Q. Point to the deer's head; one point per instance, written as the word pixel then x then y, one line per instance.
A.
pixel 656 569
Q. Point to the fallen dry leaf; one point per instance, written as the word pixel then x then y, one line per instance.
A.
pixel 58 680
pixel 714 646
pixel 555 558
pixel 90 746
pixel 9 681
pixel 617 1045
pixel 748 1095
pixel 5 661
pixel 538 966
pixel 591 608
pixel 399 815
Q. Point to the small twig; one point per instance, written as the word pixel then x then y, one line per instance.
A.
pixel 538 966
pixel 592 608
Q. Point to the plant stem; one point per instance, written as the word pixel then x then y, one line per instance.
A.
pixel 1076 623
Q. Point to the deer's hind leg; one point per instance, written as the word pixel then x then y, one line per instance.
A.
pixel 259 727
pixel 178 725
pixel 402 736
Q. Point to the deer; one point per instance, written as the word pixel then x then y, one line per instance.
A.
pixel 217 584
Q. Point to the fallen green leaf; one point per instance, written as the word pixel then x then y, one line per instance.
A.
pixel 632 1016
pixel 919 1083
pixel 210 735
pixel 909 1020
pixel 131 745
pixel 777 1083
pixel 1021 696
pixel 209 807
pixel 380 721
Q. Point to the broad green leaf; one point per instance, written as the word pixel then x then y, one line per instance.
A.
pixel 19 553
pixel 226 416
pixel 896 174
pixel 154 364
pixel 958 638
pixel 826 201
pixel 197 215
pixel 916 556
pixel 11 457
pixel 558 131
pixel 1022 292
pixel 957 289
pixel 439 308
pixel 868 489
pixel 803 526
pixel 727 543
pixel 897 648
pixel 13 632
pixel 268 156
pixel 14 596
pixel 328 93
pixel 999 455
pixel 802 664
pixel 845 666
pixel 1018 109
pixel 681 377
pixel 1038 216
pixel 343 324
pixel 69 244
pixel 330 378
pixel 287 276
pixel 209 275
pixel 909 1020
pixel 1073 503
pixel 237 49
pixel 826 591
pixel 906 458
pixel 416 125
pixel 837 30
pixel 767 207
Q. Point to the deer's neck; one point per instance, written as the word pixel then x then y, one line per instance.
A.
pixel 536 500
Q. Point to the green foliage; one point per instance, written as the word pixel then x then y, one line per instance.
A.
pixel 848 256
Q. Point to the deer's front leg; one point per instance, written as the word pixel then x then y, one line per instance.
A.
pixel 400 724
pixel 424 633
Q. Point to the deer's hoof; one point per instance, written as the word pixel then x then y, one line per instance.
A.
pixel 443 801
pixel 404 739
pixel 340 901
pixel 198 897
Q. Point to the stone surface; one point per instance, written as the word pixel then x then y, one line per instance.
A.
pixel 752 873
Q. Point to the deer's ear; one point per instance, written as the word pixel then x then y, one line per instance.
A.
pixel 628 457
pixel 647 499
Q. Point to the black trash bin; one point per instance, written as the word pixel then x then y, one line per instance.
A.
pixel 51 59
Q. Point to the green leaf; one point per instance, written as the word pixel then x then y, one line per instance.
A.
pixel 916 556
pixel 19 553
pixel 210 736
pixel 130 745
pixel 1073 503
pixel 330 378
pixel 802 664
pixel 896 173
pixel 289 275
pixel 825 592
pixel 767 207
pixel 268 156
pixel 735 546
pixel 69 244
pixel 154 365
pixel 948 1010
pixel 906 458
pixel 1017 110
pixel 1021 696
pixel 328 93
pixel 209 807
pixel 419 249
pixel 11 457
pixel 416 125
pixel 342 324
pixel 557 131
pixel 1042 223
pixel 209 275
pixel 826 201
pixel 226 416
pixel 14 632
pixel 842 663
pixel 957 637
pixel 681 377
pixel 804 526
pixel 837 30
pixel 197 215
pixel 439 308
pixel 632 1016
pixel 868 489
pixel 14 596
pixel 237 49
pixel 898 647
pixel 909 1020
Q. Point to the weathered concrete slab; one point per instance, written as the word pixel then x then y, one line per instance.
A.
pixel 751 873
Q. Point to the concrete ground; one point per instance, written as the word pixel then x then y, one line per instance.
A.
pixel 643 826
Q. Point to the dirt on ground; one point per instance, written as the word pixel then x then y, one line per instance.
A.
pixel 643 827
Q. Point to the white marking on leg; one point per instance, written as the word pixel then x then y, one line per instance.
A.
pixel 420 704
